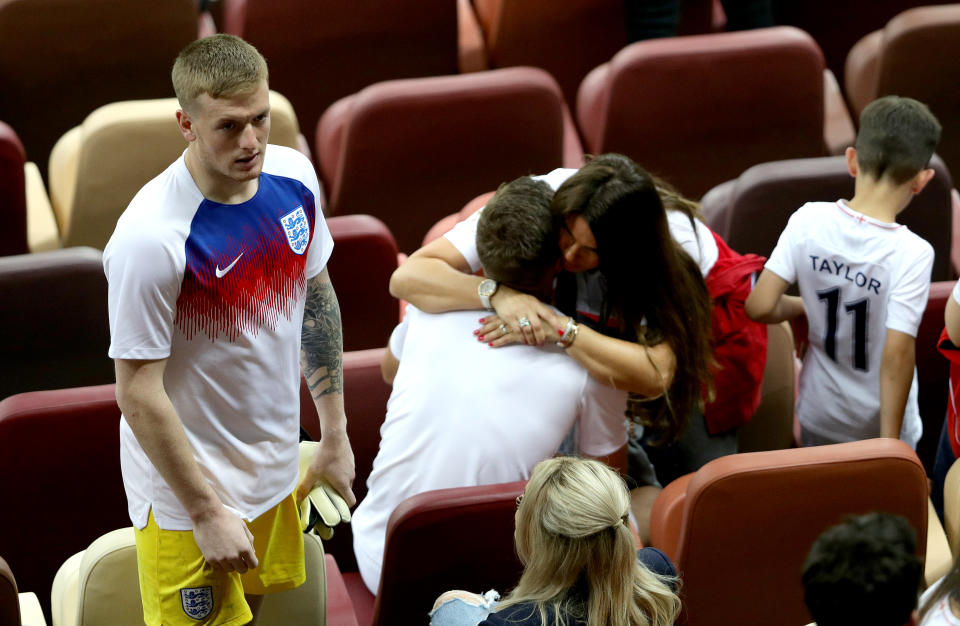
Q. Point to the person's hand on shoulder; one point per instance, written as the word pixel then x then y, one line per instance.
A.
pixel 517 319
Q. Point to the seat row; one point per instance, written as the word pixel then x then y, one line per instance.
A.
pixel 706 522
pixel 691 109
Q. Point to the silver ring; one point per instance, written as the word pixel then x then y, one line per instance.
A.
pixel 504 329
pixel 523 322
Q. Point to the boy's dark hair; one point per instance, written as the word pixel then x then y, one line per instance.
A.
pixel 863 571
pixel 516 240
pixel 897 138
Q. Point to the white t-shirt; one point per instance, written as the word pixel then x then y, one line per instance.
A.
pixel 939 615
pixel 858 277
pixel 463 414
pixel 695 238
pixel 219 290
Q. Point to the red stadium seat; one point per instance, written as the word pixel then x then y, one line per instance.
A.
pixel 60 459
pixel 445 224
pixel 29 225
pixel 322 50
pixel 364 256
pixel 567 39
pixel 838 25
pixel 410 151
pixel 13 192
pixel 911 56
pixel 440 540
pixel 693 110
pixel 751 211
pixel 754 516
pixel 53 322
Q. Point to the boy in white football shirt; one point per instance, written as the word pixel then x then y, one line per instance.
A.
pixel 864 282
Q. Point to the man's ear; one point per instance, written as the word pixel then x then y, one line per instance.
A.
pixel 185 122
pixel 921 179
pixel 852 165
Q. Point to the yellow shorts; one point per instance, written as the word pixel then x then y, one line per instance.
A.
pixel 178 587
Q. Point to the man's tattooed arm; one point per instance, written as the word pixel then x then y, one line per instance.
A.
pixel 321 347
pixel 321 357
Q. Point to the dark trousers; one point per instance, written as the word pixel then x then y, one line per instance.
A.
pixel 649 19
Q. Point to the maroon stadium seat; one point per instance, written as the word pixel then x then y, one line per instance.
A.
pixel 439 540
pixel 364 256
pixel 911 56
pixel 60 459
pixel 699 110
pixel 411 151
pixel 322 50
pixel 53 322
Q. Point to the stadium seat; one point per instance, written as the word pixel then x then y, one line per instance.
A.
pixel 771 427
pixel 61 59
pixel 751 211
pixel 322 50
pixel 444 225
pixel 433 543
pixel 60 459
pixel 99 585
pixel 364 257
pixel 54 325
pixel 449 138
pixel 911 57
pixel 97 167
pixel 28 220
pixel 17 608
pixel 365 398
pixel 754 516
pixel 837 26
pixel 567 39
pixel 698 110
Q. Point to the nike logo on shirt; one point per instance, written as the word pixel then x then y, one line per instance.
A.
pixel 223 272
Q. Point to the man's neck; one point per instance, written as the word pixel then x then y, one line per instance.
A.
pixel 219 188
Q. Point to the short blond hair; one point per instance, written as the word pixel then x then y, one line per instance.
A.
pixel 220 65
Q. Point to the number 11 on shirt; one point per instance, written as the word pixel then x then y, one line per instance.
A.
pixel 859 310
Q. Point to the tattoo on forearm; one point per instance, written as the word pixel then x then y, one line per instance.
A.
pixel 321 344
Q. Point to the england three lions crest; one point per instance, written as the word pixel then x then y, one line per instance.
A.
pixel 197 602
pixel 297 229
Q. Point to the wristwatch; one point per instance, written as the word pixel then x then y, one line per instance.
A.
pixel 485 290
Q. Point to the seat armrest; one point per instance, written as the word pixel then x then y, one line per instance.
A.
pixel 862 71
pixel 667 517
pixel 42 231
pixel 339 607
pixel 939 561
pixel 30 612
pixel 839 132
pixel 472 50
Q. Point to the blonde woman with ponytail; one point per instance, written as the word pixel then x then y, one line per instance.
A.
pixel 581 566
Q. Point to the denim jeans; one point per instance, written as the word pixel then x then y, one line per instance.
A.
pixel 461 608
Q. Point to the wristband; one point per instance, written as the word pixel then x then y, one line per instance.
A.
pixel 568 334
